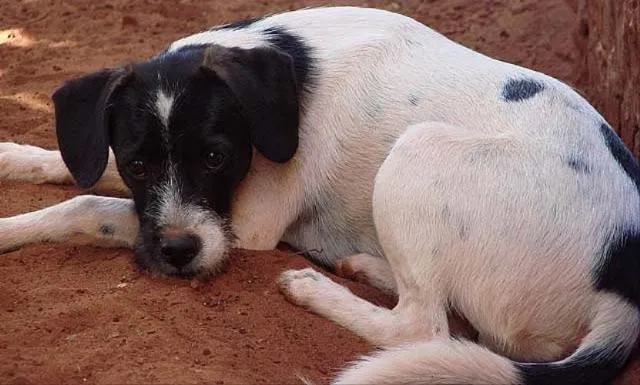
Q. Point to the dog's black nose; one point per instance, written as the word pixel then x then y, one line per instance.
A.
pixel 179 248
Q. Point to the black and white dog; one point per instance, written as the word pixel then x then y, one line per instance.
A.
pixel 454 180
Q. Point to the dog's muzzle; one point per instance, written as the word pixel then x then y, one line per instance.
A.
pixel 179 247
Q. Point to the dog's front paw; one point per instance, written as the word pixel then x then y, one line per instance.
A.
pixel 301 286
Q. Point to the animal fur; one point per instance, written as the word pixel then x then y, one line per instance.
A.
pixel 454 180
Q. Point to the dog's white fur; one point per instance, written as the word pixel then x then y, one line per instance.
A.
pixel 85 219
pixel 37 165
pixel 163 106
pixel 173 212
pixel 470 207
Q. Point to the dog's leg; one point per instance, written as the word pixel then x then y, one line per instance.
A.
pixel 36 165
pixel 265 204
pixel 86 219
pixel 410 320
pixel 365 268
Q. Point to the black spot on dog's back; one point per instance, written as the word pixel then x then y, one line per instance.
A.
pixel 413 100
pixel 517 90
pixel 578 165
pixel 621 153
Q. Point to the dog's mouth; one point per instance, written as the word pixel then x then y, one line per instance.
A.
pixel 185 253
pixel 147 260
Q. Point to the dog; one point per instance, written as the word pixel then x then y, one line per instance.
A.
pixel 453 180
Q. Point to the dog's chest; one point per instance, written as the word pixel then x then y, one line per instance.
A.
pixel 330 230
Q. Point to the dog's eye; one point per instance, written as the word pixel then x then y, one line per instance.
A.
pixel 137 169
pixel 214 159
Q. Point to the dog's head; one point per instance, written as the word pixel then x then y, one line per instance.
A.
pixel 183 127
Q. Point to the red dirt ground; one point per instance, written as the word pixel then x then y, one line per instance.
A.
pixel 80 314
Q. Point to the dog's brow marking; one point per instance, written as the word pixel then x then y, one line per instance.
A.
pixel 164 104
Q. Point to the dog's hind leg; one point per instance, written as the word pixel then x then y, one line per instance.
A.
pixel 411 320
pixel 365 268
pixel 36 165
pixel 86 219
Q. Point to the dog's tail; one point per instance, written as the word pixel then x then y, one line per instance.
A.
pixel 600 356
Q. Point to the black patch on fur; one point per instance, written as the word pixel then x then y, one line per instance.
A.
pixel 517 90
pixel 81 122
pixel 301 53
pixel 620 269
pixel 590 367
pixel 264 83
pixel 578 165
pixel 413 100
pixel 107 230
pixel 621 153
pixel 239 24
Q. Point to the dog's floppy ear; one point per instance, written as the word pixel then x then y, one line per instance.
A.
pixel 81 123
pixel 263 81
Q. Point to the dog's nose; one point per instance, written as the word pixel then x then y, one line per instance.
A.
pixel 179 247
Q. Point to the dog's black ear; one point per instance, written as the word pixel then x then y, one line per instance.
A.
pixel 264 83
pixel 81 123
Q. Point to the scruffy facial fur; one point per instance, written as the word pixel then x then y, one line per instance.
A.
pixel 385 152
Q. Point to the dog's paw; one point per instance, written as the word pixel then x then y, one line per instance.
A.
pixel 31 164
pixel 301 286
